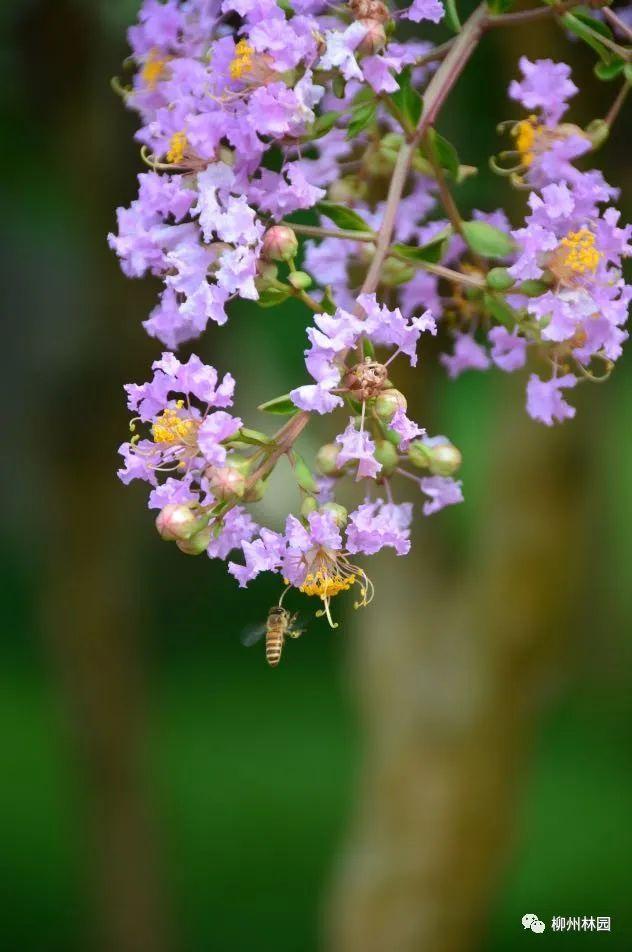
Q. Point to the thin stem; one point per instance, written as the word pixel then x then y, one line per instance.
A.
pixel 436 54
pixel 284 440
pixel 527 16
pixel 295 292
pixel 436 93
pixel 316 231
pixel 442 272
pixel 615 108
pixel 617 23
pixel 447 199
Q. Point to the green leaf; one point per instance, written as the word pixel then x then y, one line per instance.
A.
pixel 368 350
pixel 431 252
pixel 627 72
pixel 324 123
pixel 580 28
pixel 500 310
pixel 452 16
pixel 532 288
pixel 279 405
pixel 444 152
pixel 303 474
pixel 407 100
pixel 486 240
pixel 609 71
pixel 270 297
pixel 499 279
pixel 361 117
pixel 597 25
pixel 343 217
pixel 253 437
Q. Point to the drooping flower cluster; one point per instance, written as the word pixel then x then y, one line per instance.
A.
pixel 252 111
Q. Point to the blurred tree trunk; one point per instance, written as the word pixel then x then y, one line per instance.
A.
pixel 93 622
pixel 92 608
pixel 450 671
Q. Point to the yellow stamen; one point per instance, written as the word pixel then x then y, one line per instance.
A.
pixel 171 428
pixel 579 252
pixel 526 133
pixel 323 585
pixel 177 148
pixel 242 63
pixel 153 69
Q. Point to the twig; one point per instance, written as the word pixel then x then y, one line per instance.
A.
pixel 456 277
pixel 284 440
pixel 526 16
pixel 317 232
pixel 447 199
pixel 436 93
pixel 615 108
pixel 617 23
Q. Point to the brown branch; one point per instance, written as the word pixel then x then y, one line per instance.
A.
pixel 617 23
pixel 527 16
pixel 438 89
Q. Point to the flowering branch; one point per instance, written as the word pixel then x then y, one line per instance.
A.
pixel 286 111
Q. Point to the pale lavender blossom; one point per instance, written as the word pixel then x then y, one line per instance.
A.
pixel 468 355
pixel 375 525
pixel 442 491
pixel 545 401
pixel 357 445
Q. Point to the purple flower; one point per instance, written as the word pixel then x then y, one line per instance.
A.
pixel 340 46
pixel 468 355
pixel 390 328
pixel 237 527
pixel 263 554
pixel 375 525
pixel 545 85
pixel 424 10
pixel 358 445
pixel 509 350
pixel 406 429
pixel 442 491
pixel 545 401
pixel 213 430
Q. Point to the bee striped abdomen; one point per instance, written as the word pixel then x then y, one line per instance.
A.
pixel 274 646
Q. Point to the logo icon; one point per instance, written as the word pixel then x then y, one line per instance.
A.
pixel 532 922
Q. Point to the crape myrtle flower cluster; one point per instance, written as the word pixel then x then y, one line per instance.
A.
pixel 252 111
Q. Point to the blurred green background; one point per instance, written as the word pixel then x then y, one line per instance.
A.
pixel 162 789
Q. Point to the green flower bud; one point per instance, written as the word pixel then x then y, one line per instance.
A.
pixel 226 482
pixel 338 512
pixel 445 459
pixel 419 454
pixel 375 37
pixel 388 402
pixel 196 544
pixel 176 521
pixel 308 505
pixel 327 459
pixel 300 280
pixel 499 279
pixel 387 455
pixel 279 243
pixel 532 288
pixel 597 131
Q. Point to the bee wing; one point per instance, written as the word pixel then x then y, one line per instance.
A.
pixel 252 634
pixel 297 626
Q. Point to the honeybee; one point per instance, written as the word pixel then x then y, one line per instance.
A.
pixel 280 624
